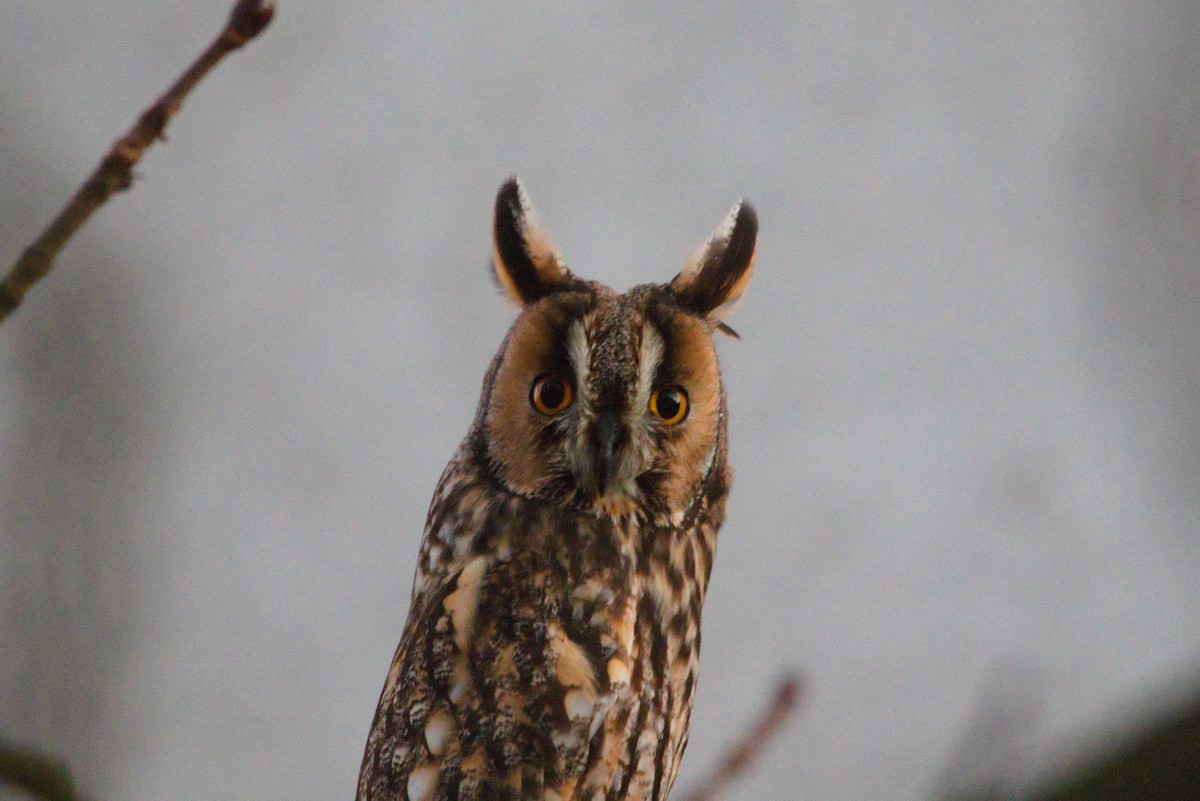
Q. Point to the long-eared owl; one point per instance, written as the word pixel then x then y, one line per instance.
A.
pixel 553 639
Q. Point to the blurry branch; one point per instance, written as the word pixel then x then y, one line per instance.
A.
pixel 38 775
pixel 1160 763
pixel 115 171
pixel 33 772
pixel 752 743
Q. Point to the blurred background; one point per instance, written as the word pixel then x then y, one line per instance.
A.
pixel 965 419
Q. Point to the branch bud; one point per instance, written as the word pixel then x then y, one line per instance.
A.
pixel 249 17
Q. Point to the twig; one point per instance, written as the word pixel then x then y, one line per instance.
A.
pixel 39 775
pixel 738 758
pixel 115 171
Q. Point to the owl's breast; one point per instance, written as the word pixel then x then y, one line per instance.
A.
pixel 546 651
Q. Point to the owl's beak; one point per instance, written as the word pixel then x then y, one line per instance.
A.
pixel 605 447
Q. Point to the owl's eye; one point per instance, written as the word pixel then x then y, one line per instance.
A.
pixel 669 404
pixel 551 393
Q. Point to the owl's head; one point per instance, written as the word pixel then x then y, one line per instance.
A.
pixel 604 402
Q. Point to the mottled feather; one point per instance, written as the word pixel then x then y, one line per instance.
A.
pixel 552 645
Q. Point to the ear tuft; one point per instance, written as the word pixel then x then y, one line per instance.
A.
pixel 525 262
pixel 712 282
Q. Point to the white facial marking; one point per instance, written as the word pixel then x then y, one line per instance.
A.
pixel 577 354
pixel 708 460
pixel 649 360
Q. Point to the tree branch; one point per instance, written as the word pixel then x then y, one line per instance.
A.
pixel 752 743
pixel 115 171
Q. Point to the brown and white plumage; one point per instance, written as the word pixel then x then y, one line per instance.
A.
pixel 552 644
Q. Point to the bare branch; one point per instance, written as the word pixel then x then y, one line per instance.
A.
pixel 114 173
pixel 750 746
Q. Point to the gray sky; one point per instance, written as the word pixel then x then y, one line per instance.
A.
pixel 964 417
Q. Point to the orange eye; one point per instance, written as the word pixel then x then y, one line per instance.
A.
pixel 669 404
pixel 551 394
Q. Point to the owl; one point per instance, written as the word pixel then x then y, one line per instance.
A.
pixel 553 638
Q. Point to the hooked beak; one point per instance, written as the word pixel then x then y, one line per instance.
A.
pixel 605 444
